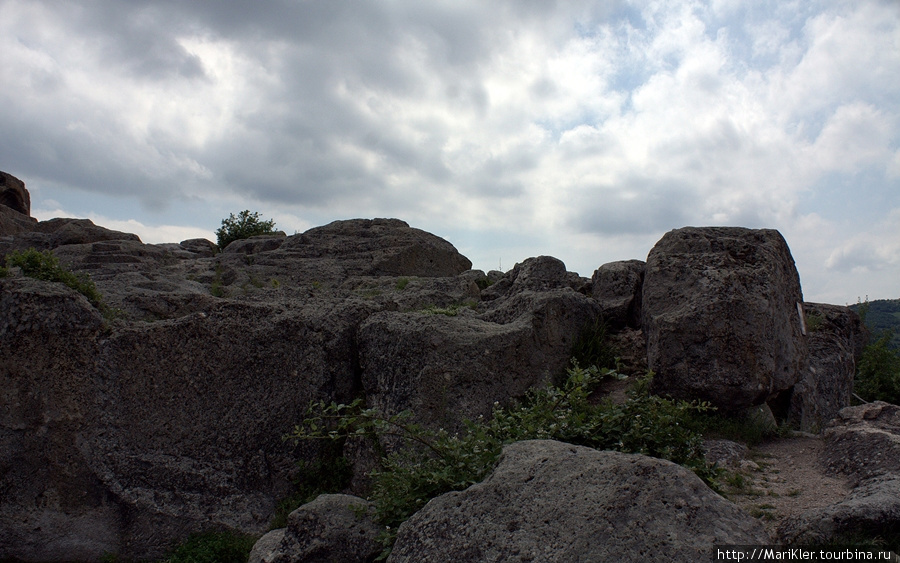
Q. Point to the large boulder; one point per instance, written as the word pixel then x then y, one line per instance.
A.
pixel 864 441
pixel 550 501
pixel 15 206
pixel 826 387
pixel 720 313
pixel 542 273
pixel 379 247
pixel 331 528
pixel 124 441
pixel 49 235
pixel 124 434
pixel 446 368
pixel 872 509
pixel 617 287
pixel 14 195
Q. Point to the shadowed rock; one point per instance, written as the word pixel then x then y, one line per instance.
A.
pixel 550 501
pixel 720 313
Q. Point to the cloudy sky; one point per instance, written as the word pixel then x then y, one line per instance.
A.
pixel 579 129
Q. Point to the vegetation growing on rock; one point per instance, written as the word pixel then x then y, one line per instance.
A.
pixel 245 225
pixel 431 463
pixel 45 266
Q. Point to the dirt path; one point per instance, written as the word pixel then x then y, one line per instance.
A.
pixel 783 477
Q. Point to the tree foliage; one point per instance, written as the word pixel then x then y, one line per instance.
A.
pixel 878 372
pixel 244 225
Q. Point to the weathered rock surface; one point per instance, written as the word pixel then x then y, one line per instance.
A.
pixel 542 273
pixel 446 368
pixel 15 206
pixel 549 501
pixel 14 195
pixel 123 435
pixel 719 310
pixel 871 509
pixel 826 387
pixel 864 441
pixel 330 528
pixel 617 287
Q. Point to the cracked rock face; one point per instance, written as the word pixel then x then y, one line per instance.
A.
pixel 720 313
pixel 126 433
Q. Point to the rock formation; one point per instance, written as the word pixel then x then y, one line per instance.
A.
pixel 123 430
pixel 864 444
pixel 14 195
pixel 832 334
pixel 720 314
pixel 330 528
pixel 549 501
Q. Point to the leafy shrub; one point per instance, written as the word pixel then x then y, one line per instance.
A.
pixel 592 347
pixel 435 462
pixel 878 372
pixel 45 266
pixel 214 547
pixel 245 225
pixel 330 472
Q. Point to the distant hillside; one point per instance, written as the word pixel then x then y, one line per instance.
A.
pixel 882 314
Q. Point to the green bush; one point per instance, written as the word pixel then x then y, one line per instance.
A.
pixel 592 347
pixel 330 472
pixel 214 547
pixel 45 266
pixel 245 225
pixel 435 462
pixel 878 372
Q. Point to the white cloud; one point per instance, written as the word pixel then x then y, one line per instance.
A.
pixel 574 124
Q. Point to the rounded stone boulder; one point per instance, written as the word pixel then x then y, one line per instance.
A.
pixel 555 502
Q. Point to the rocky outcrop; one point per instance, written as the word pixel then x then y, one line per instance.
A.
pixel 124 433
pixel 617 287
pixel 330 528
pixel 863 443
pixel 446 368
pixel 549 501
pixel 720 314
pixel 826 387
pixel 870 510
pixel 15 206
pixel 14 195
pixel 542 273
pixel 126 429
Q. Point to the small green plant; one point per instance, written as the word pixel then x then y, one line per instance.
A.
pixel 435 461
pixel 274 283
pixel 217 287
pixel 45 266
pixel 3 272
pixel 244 225
pixel 401 284
pixel 449 311
pixel 592 347
pixel 484 283
pixel 814 322
pixel 214 547
pixel 329 472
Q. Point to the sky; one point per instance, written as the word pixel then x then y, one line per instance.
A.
pixel 583 130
